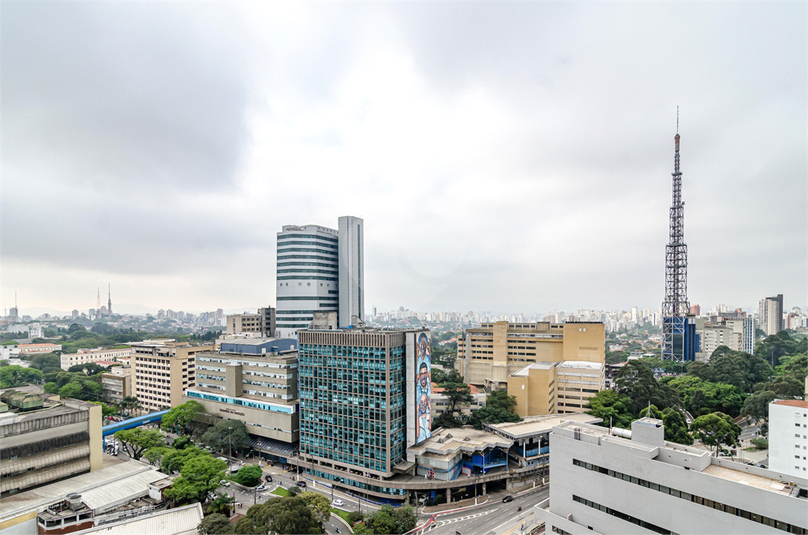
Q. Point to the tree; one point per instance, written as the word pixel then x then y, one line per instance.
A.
pixel 612 408
pixel 244 526
pixel 181 417
pixel 11 376
pixel 285 515
pixel 173 461
pixel 703 397
pixel 676 427
pixel 180 443
pixel 138 440
pixel 406 519
pixel 248 475
pixel 446 421
pixel 757 405
pixel 319 504
pixel 221 504
pixel 637 381
pixel 48 360
pixel 226 435
pixel 499 408
pixel 215 524
pixel 388 520
pixel 457 391
pixel 51 388
pixel 71 390
pixel 716 429
pixel 154 455
pixel 199 476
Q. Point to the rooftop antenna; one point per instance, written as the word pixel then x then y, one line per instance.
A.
pixel 677 119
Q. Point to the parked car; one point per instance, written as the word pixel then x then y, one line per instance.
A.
pixel 261 488
pixel 268 478
pixel 338 503
pixel 507 499
pixel 224 483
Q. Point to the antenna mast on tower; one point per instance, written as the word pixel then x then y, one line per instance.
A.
pixel 109 301
pixel 676 343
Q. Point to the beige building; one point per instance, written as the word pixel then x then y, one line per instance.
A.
pixel 254 381
pixel 556 387
pixel 486 356
pixel 36 349
pixel 85 356
pixel 163 370
pixel 262 323
pixel 49 443
pixel 117 384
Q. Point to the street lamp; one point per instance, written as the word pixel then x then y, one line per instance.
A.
pixel 230 444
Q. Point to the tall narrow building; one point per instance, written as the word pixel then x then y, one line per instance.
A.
pixel 351 271
pixel 678 331
pixel 109 299
pixel 770 314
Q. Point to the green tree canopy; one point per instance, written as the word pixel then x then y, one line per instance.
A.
pixel 48 360
pixel 319 504
pixel 636 380
pixel 174 460
pixel 244 526
pixel 138 440
pixel 198 477
pixel 716 429
pixel 612 408
pixel 215 524
pixel 11 376
pixel 757 405
pixel 703 397
pixel 154 455
pixel 227 434
pixel 287 515
pixel 181 417
pixel 499 408
pixel 388 520
pixel 248 475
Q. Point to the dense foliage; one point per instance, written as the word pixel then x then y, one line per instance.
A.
pixel 287 515
pixel 499 408
pixel 388 520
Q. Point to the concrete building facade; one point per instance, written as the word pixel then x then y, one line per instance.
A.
pixel 788 437
pixel 634 482
pixel 254 381
pixel 243 323
pixel 489 354
pixel 351 270
pixel 49 444
pixel 770 314
pixel 117 384
pixel 163 370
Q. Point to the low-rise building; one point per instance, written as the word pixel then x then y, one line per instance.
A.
pixel 441 402
pixel 556 387
pixel 85 356
pixel 117 384
pixel 619 481
pixel 788 436
pixel 36 349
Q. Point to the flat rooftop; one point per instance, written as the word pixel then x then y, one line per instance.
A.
pixel 179 521
pixel 581 364
pixel 536 425
pixel 745 478
pixel 450 441
pixel 543 365
pixel 801 403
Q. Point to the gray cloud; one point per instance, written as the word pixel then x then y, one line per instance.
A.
pixel 504 156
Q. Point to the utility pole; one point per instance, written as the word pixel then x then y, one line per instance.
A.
pixel 230 446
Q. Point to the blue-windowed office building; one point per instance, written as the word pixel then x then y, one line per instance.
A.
pixel 362 404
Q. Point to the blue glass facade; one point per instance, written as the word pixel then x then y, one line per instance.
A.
pixel 352 401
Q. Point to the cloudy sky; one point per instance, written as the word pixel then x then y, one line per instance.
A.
pixel 504 157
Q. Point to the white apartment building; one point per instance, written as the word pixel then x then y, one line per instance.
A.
pixel 619 481
pixel 788 437
pixel 85 356
pixel 314 265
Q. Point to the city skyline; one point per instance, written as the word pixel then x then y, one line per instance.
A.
pixel 503 157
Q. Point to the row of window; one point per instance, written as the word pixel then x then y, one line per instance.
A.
pixel 307 298
pixel 622 516
pixel 286 241
pixel 754 517
pixel 242 402
pixel 310 236
pixel 306 278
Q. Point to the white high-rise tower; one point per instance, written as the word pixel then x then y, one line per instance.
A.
pixel 351 271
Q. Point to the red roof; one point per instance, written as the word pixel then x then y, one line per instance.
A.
pixel 793 403
pixel 437 390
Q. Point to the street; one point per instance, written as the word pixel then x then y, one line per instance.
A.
pixel 493 518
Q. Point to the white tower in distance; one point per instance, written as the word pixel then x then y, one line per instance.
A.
pixel 351 270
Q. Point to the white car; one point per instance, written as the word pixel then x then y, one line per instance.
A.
pixel 338 503
pixel 260 488
pixel 224 483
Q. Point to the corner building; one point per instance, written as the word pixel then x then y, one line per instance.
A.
pixel 356 402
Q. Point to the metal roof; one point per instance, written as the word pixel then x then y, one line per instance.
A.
pixel 117 493
pixel 179 521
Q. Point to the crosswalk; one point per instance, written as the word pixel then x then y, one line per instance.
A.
pixel 440 523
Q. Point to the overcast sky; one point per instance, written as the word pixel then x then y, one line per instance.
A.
pixel 504 157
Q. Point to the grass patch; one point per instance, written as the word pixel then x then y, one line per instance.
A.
pixel 280 491
pixel 342 514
